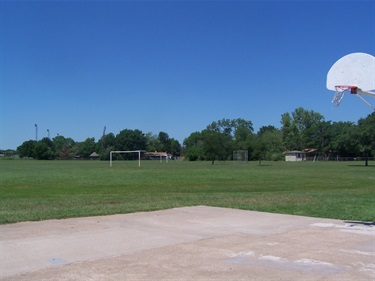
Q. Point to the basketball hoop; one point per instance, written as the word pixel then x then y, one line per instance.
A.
pixel 340 92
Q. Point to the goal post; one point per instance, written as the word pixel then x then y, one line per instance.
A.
pixel 124 152
pixel 241 156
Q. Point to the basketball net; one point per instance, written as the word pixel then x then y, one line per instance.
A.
pixel 340 92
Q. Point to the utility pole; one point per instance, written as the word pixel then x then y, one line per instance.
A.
pixel 103 140
pixel 36 132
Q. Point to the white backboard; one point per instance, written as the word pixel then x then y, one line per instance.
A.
pixel 356 69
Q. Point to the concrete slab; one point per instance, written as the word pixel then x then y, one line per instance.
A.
pixel 192 243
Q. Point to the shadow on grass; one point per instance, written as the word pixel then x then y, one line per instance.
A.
pixel 361 166
pixel 365 223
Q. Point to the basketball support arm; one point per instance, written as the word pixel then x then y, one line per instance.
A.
pixel 369 94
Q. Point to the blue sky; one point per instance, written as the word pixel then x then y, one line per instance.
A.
pixel 73 67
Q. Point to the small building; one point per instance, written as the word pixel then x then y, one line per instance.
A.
pixel 295 155
pixel 94 156
pixel 157 155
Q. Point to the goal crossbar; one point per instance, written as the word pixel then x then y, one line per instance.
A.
pixel 127 151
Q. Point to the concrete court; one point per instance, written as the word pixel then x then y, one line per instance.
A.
pixel 190 243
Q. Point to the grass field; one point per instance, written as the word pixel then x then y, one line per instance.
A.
pixel 39 190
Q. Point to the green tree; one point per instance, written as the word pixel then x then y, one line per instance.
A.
pixel 194 146
pixel 219 139
pixel 343 139
pixel 216 145
pixel 308 123
pixel 242 129
pixel 27 149
pixel 268 144
pixel 162 142
pixel 64 152
pixel 105 145
pixel 175 147
pixel 323 138
pixel 224 126
pixel 63 147
pixel 44 149
pixel 366 132
pixel 302 129
pixel 87 147
pixel 238 128
pixel 153 143
pixel 130 140
pixel 8 152
pixel 290 136
pixel 243 135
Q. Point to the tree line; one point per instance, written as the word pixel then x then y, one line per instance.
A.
pixel 300 130
pixel 66 148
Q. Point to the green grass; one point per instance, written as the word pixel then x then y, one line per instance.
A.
pixel 39 190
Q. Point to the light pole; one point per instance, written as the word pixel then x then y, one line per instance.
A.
pixel 48 132
pixel 36 132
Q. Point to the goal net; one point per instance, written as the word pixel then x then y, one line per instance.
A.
pixel 240 156
pixel 136 153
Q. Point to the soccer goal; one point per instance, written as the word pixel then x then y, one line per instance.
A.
pixel 125 152
pixel 240 156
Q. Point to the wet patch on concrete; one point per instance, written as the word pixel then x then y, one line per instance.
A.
pixel 57 261
pixel 351 227
pixel 280 263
